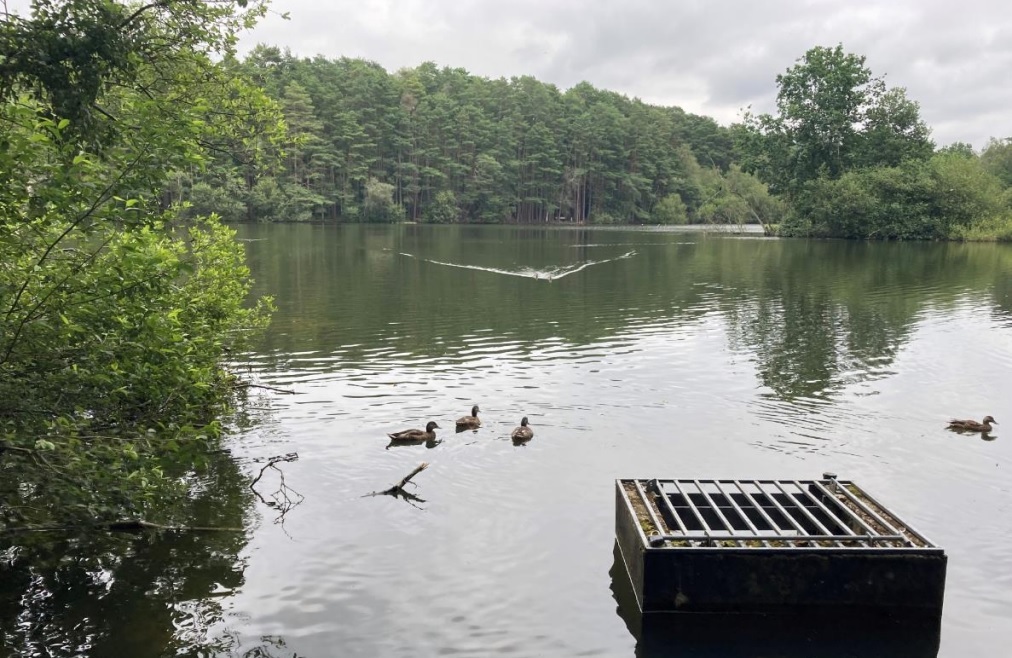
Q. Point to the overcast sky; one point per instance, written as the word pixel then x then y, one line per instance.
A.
pixel 712 57
pixel 709 57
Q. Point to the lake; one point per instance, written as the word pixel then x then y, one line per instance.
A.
pixel 634 353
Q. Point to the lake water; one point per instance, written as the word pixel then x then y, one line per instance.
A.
pixel 634 353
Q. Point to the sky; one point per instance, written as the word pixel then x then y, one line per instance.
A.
pixel 713 57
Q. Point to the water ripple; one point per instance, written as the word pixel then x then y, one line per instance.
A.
pixel 724 357
pixel 546 274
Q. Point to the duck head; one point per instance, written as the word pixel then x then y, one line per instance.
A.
pixel 475 410
pixel 431 426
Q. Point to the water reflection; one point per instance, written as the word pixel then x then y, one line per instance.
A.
pixel 119 594
pixel 429 443
pixel 815 318
pixel 983 436
pixel 698 355
pixel 830 635
pixel 280 497
pixel 548 274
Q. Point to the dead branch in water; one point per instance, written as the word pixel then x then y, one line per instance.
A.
pixel 290 457
pixel 407 478
pixel 126 525
pixel 135 525
pixel 266 388
pixel 285 498
pixel 397 491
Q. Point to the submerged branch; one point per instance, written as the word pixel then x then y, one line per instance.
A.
pixel 126 525
pixel 290 457
pixel 285 498
pixel 239 385
pixel 397 491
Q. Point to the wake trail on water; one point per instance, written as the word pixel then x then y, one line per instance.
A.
pixel 549 274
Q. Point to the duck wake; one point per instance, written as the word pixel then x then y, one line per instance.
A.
pixel 547 274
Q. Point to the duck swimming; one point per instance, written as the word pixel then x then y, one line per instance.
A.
pixel 972 425
pixel 523 433
pixel 416 435
pixel 471 422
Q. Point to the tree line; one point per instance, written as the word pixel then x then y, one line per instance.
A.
pixel 440 145
pixel 851 157
pixel 843 156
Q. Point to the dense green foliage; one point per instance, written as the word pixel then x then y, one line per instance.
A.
pixel 852 158
pixel 116 317
pixel 997 159
pixel 844 155
pixel 933 199
pixel 451 147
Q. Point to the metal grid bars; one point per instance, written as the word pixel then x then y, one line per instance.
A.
pixel 777 514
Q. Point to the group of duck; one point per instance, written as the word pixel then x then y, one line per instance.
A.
pixel 521 434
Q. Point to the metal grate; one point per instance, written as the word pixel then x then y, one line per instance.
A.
pixel 809 514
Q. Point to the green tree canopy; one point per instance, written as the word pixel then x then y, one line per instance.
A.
pixel 997 159
pixel 503 150
pixel 116 317
pixel 832 116
pixel 851 158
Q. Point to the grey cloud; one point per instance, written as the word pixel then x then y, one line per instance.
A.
pixel 712 58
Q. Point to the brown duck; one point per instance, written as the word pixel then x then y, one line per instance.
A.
pixel 416 435
pixel 469 422
pixel 972 425
pixel 523 433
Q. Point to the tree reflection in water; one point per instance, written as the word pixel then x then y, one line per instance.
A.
pixel 153 593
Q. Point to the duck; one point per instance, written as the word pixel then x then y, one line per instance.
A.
pixel 471 422
pixel 972 425
pixel 417 435
pixel 522 433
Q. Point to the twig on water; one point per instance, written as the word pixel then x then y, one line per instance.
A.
pixel 398 491
pixel 285 498
pixel 266 388
pixel 125 525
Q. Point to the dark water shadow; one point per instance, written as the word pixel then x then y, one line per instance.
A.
pixel 405 443
pixel 983 436
pixel 73 593
pixel 400 494
pixel 682 635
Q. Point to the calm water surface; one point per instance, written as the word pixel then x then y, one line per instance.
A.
pixel 634 354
